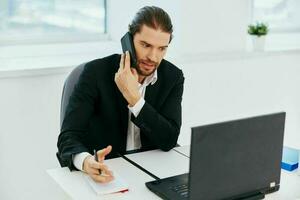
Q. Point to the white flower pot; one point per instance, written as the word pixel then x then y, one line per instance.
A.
pixel 259 43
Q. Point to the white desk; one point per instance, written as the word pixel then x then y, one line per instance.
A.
pixel 185 150
pixel 75 185
pixel 289 187
pixel 161 164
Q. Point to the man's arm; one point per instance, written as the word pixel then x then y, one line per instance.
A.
pixel 162 127
pixel 78 113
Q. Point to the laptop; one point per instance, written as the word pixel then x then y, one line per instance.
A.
pixel 239 159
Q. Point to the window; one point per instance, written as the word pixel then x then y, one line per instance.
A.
pixel 283 19
pixel 38 21
pixel 280 15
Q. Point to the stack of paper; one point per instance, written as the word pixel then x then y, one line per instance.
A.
pixel 116 185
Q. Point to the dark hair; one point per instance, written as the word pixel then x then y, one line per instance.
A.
pixel 153 17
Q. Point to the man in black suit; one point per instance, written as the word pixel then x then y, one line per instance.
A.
pixel 115 105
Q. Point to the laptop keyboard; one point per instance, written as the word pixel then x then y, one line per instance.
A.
pixel 181 189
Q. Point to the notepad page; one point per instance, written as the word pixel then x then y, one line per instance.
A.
pixel 116 185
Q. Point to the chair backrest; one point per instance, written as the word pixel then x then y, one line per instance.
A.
pixel 68 88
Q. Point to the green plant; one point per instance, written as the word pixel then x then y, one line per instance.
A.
pixel 258 29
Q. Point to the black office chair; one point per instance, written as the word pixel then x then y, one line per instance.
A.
pixel 68 88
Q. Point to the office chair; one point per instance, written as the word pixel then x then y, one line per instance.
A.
pixel 68 88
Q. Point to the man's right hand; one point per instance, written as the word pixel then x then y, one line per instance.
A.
pixel 93 168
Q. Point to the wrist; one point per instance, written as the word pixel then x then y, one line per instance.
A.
pixel 134 100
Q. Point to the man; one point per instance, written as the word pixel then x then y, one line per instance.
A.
pixel 114 105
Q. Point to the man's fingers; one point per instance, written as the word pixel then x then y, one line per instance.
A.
pixel 102 179
pixel 104 168
pixel 94 171
pixel 94 164
pixel 121 63
pixel 107 173
pixel 97 165
pixel 134 72
pixel 104 171
pixel 100 168
pixel 127 60
pixel 102 153
pixel 108 149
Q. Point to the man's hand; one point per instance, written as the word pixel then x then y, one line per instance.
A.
pixel 93 168
pixel 127 80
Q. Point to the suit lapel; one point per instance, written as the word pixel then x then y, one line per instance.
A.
pixel 151 94
pixel 122 103
pixel 122 107
pixel 152 91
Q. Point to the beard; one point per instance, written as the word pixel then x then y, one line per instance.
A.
pixel 144 72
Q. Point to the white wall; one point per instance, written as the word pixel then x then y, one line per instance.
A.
pixel 226 89
pixel 214 26
pixel 199 25
pixel 29 129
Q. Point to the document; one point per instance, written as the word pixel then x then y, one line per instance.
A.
pixel 116 185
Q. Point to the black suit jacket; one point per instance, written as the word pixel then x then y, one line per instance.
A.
pixel 97 113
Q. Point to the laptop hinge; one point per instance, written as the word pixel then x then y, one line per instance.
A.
pixel 249 196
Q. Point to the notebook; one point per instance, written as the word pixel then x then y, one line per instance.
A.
pixel 116 185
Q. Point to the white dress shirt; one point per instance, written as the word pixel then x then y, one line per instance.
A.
pixel 133 132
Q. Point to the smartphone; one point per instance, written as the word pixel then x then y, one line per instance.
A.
pixel 127 45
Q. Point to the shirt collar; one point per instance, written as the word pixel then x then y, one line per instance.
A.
pixel 151 79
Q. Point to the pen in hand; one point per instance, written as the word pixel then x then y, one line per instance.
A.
pixel 96 159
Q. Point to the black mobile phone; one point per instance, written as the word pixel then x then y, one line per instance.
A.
pixel 127 45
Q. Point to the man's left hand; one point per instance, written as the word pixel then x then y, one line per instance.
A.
pixel 127 80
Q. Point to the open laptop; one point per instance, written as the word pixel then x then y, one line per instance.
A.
pixel 237 159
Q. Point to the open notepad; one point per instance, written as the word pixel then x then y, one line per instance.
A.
pixel 116 185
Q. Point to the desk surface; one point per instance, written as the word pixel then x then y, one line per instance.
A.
pixel 161 164
pixel 75 185
pixel 185 150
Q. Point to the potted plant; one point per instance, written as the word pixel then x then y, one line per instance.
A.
pixel 258 32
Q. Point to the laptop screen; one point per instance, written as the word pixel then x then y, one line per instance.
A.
pixel 236 157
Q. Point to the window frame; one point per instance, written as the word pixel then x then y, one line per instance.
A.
pixel 276 30
pixel 58 38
